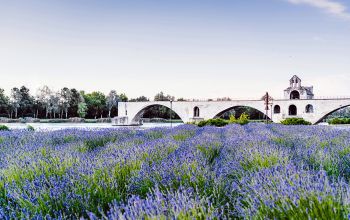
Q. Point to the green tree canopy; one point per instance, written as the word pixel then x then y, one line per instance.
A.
pixel 82 109
pixel 26 101
pixel 123 97
pixel 4 102
pixel 96 101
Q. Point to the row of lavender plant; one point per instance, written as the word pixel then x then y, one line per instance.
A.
pixel 254 171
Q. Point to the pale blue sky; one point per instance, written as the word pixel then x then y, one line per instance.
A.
pixel 188 48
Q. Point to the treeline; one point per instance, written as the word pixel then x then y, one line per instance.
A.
pixel 69 103
pixel 65 103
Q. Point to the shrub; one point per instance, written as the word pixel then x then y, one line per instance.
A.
pixel 30 128
pixel 336 121
pixel 4 128
pixel 242 120
pixel 192 123
pixel 218 122
pixel 295 121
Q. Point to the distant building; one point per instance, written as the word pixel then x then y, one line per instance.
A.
pixel 297 91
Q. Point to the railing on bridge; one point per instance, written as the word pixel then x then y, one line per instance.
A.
pixel 257 99
pixel 217 100
pixel 332 97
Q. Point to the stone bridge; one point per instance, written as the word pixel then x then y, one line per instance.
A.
pixel 298 102
pixel 313 110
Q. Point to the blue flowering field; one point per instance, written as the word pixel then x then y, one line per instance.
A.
pixel 254 171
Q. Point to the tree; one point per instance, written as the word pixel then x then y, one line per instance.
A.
pixel 161 97
pixel 95 101
pixel 4 102
pixel 36 106
pixel 111 101
pixel 54 103
pixel 65 99
pixel 27 101
pixel 15 100
pixel 76 98
pixel 82 108
pixel 43 96
pixel 123 97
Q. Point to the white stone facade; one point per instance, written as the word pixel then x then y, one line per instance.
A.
pixel 298 102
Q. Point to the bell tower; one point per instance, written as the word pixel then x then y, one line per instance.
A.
pixel 297 91
pixel 295 82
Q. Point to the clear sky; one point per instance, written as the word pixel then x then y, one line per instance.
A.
pixel 187 48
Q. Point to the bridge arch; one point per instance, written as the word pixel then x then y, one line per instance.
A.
pixel 330 112
pixel 217 115
pixel 137 117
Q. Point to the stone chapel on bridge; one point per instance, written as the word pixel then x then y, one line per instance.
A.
pixel 297 91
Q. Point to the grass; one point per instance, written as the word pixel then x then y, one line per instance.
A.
pixel 182 136
pixel 52 167
pixel 155 135
pixel 92 144
pixel 258 161
pixel 209 152
pixel 114 187
pixel 344 152
pixel 283 141
pixel 306 208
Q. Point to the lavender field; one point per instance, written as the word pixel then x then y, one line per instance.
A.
pixel 254 171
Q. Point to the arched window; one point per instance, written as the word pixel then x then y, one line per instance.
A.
pixel 277 109
pixel 196 112
pixel 292 110
pixel 294 95
pixel 309 109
